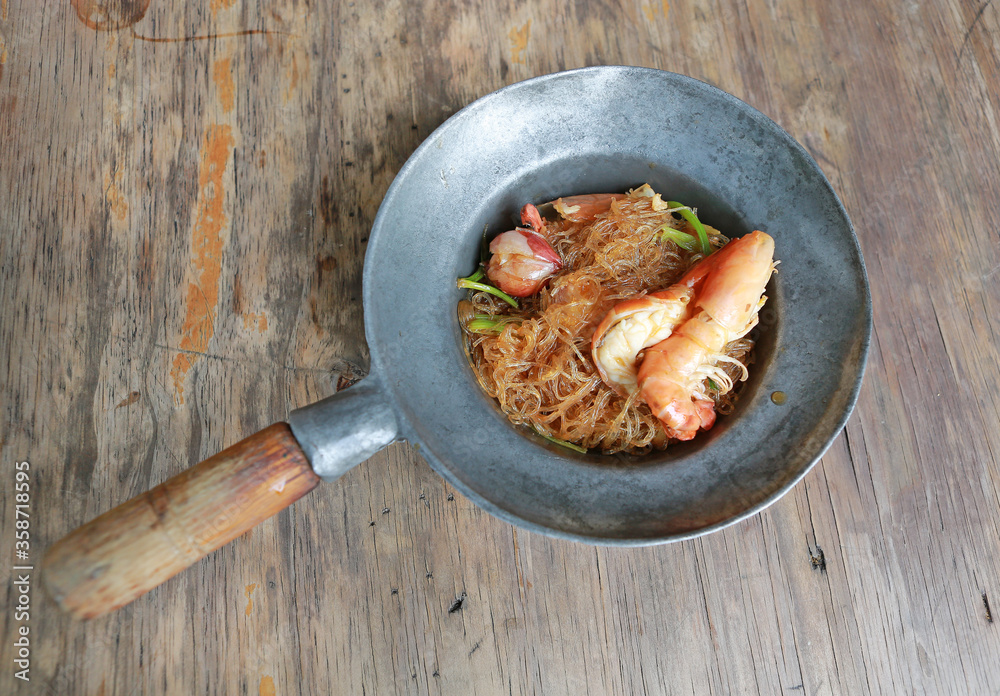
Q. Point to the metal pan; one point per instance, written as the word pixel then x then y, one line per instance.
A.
pixel 591 130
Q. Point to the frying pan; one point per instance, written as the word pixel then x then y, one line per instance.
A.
pixel 591 130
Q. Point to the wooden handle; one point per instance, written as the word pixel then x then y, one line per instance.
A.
pixel 131 549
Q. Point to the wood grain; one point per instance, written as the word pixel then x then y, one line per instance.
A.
pixel 127 551
pixel 182 231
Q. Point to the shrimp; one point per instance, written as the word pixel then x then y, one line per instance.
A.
pixel 728 289
pixel 585 207
pixel 532 218
pixel 632 326
pixel 639 323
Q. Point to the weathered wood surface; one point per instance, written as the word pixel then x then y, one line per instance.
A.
pixel 182 228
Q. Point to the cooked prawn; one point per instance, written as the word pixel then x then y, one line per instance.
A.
pixel 632 326
pixel 532 218
pixel 638 323
pixel 728 289
pixel 585 207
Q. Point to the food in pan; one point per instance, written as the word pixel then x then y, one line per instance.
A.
pixel 617 322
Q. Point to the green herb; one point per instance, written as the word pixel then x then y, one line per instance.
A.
pixel 689 215
pixel 685 241
pixel 712 384
pixel 471 284
pixel 563 443
pixel 489 324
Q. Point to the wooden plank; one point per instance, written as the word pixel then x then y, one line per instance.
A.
pixel 181 244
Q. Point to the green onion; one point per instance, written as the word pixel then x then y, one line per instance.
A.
pixel 486 323
pixel 689 215
pixel 563 443
pixel 712 384
pixel 685 241
pixel 471 284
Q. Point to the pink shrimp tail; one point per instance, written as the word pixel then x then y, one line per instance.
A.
pixel 690 416
pixel 587 206
pixel 681 415
pixel 532 218
pixel 728 287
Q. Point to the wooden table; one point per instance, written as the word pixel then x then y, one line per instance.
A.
pixel 185 197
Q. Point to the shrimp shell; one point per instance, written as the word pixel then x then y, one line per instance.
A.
pixel 729 288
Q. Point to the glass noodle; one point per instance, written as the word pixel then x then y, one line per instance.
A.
pixel 535 359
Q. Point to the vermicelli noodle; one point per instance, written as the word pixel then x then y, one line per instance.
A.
pixel 535 360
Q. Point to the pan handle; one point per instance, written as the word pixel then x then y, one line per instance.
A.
pixel 343 430
pixel 127 551
pixel 143 542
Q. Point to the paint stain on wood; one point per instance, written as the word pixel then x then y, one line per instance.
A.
pixel 222 75
pixel 266 686
pixel 326 264
pixel 217 5
pixel 206 255
pixel 292 82
pixel 3 10
pixel 253 320
pixel 293 79
pixel 114 196
pixel 249 591
pixel 103 15
pixel 652 10
pixel 519 42
pixel 128 400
